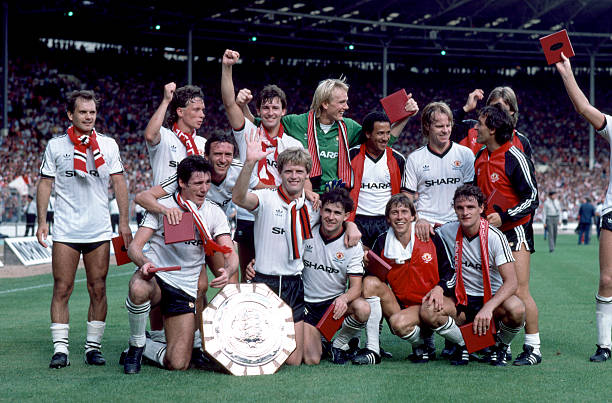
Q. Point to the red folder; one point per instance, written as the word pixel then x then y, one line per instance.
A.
pixel 183 231
pixel 377 266
pixel 554 44
pixel 328 326
pixel 169 268
pixel 474 342
pixel 394 105
pixel 120 251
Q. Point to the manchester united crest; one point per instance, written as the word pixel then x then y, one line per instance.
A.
pixel 426 257
pixel 494 177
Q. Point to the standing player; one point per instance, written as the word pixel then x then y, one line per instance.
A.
pixel 603 300
pixel 485 277
pixel 271 106
pixel 506 177
pixel 328 264
pixel 167 147
pixel 283 220
pixel 379 170
pixel 328 135
pixel 175 291
pixel 417 267
pixel 81 163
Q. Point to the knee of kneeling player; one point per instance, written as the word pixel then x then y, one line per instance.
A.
pixel 177 363
pixel 399 325
pixel 430 317
pixel 516 313
pixel 371 285
pixel 361 309
pixel 310 359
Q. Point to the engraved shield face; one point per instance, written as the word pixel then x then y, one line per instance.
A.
pixel 248 329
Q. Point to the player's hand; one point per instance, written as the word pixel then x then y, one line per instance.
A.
pixel 564 67
pixel 173 214
pixel 472 101
pixel 144 270
pixel 366 260
pixel 314 198
pixel 423 229
pixel 352 235
pixel 254 147
pixel 41 233
pixel 243 97
pixel 230 57
pixel 494 219
pixel 249 273
pixel 340 306
pixel 411 106
pixel 126 233
pixel 482 321
pixel 221 280
pixel 435 297
pixel 169 91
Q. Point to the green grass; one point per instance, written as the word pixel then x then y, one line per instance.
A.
pixel 563 284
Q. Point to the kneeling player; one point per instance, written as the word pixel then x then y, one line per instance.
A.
pixel 416 268
pixel 175 291
pixel 486 280
pixel 327 265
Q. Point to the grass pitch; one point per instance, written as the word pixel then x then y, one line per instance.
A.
pixel 563 284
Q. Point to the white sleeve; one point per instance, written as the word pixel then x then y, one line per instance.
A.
pixel 162 141
pixel 500 249
pixel 605 132
pixel 48 167
pixel 151 220
pixel 410 181
pixel 356 263
pixel 217 222
pixel 239 135
pixel 115 165
pixel 468 167
pixel 170 184
pixel 261 198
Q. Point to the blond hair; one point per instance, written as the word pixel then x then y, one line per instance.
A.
pixel 295 156
pixel 324 90
pixel 428 114
pixel 508 96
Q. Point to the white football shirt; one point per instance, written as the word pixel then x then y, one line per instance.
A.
pixel 166 155
pixel 190 254
pixel 606 133
pixel 328 265
pixel 471 269
pixel 435 177
pixel 81 212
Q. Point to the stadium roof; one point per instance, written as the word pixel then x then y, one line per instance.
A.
pixel 493 30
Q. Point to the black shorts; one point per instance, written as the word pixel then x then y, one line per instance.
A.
pixel 174 301
pixel 84 248
pixel 606 221
pixel 289 288
pixel 521 234
pixel 313 311
pixel 244 233
pixel 49 216
pixel 370 227
pixel 474 305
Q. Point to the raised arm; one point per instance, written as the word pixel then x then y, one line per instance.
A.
pixel 152 134
pixel 413 108
pixel 240 194
pixel 233 111
pixel 580 101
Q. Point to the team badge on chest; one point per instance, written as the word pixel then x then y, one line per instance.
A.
pixel 426 257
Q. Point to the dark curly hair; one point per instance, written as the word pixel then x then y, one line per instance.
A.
pixel 338 195
pixel 468 192
pixel 182 96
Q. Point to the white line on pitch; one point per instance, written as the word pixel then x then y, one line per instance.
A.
pixel 51 284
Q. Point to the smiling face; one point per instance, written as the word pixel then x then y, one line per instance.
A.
pixel 400 218
pixel 271 112
pixel 192 115
pixel 378 139
pixel 468 213
pixel 196 188
pixel 84 116
pixel 293 178
pixel 485 135
pixel 440 131
pixel 332 218
pixel 220 157
pixel 333 110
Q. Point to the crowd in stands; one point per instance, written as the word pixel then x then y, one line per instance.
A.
pixel 130 93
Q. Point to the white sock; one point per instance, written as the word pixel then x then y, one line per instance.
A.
pixel 451 332
pixel 505 334
pixel 137 315
pixel 155 351
pixel 197 339
pixel 414 337
pixel 59 335
pixel 95 331
pixel 373 342
pixel 351 327
pixel 603 314
pixel 533 340
pixel 158 335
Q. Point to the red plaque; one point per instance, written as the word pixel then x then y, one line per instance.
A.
pixel 395 105
pixel 554 44
pixel 328 326
pixel 474 342
pixel 377 266
pixel 121 255
pixel 183 231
